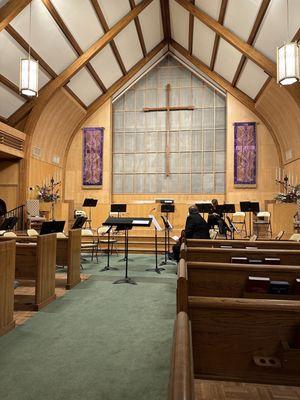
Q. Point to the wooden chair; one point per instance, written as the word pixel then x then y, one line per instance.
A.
pixel 263 220
pixel 111 243
pixel 7 274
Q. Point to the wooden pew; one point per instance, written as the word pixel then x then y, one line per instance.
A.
pixel 222 255
pixel 67 254
pixel 181 382
pixel 248 340
pixel 228 280
pixel 37 261
pixel 260 244
pixel 7 275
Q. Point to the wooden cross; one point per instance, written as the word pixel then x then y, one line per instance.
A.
pixel 168 108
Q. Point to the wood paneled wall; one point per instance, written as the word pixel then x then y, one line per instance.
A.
pixel 9 182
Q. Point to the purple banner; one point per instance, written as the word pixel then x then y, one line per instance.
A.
pixel 92 159
pixel 245 154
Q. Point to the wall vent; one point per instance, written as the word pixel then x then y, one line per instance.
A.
pixel 55 160
pixel 36 152
pixel 288 154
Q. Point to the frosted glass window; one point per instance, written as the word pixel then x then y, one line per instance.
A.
pixel 197 138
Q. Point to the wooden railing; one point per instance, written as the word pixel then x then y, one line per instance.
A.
pixel 19 213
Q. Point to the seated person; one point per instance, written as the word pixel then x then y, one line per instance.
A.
pixel 216 217
pixel 176 247
pixel 196 227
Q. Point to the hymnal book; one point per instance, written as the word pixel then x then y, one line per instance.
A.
pixel 279 287
pixel 296 287
pixel 272 260
pixel 257 284
pixel 226 247
pixel 239 260
pixel 255 261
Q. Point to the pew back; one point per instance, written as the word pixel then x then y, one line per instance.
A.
pixel 245 339
pixel 7 275
pixel 242 244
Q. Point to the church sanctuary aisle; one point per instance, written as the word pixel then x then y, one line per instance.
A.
pixel 99 341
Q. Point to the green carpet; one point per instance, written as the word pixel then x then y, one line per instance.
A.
pixel 99 341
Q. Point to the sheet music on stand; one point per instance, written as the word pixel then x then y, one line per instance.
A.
pixel 155 222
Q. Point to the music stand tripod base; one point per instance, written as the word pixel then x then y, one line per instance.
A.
pixel 166 262
pixel 156 269
pixel 125 280
pixel 109 268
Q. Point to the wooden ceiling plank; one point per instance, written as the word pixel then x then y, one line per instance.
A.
pixel 65 30
pixel 165 12
pixel 217 38
pixel 10 10
pixel 258 21
pixel 139 30
pixel 249 51
pixel 105 27
pixel 191 30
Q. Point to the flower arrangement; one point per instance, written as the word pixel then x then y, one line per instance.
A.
pixel 48 193
pixel 292 195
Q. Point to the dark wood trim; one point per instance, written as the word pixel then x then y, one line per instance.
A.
pixel 165 12
pixel 296 38
pixel 249 51
pixel 262 89
pixel 191 30
pixel 10 10
pixel 139 30
pixel 105 27
pixel 14 88
pixel 63 27
pixel 217 38
pixel 258 21
pixel 2 119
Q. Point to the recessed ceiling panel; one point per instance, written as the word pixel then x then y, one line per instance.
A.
pixel 252 79
pixel 47 39
pixel 273 31
pixel 210 7
pixel 240 16
pixel 10 64
pixel 152 36
pixel 84 86
pixel 106 66
pixel 129 46
pixel 179 23
pixel 203 42
pixel 81 20
pixel 9 101
pixel 227 60
pixel 114 10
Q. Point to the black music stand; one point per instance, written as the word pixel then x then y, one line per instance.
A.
pixel 9 223
pixel 157 227
pixel 168 208
pixel 108 267
pixel 168 227
pixel 204 208
pixel 90 203
pixel 250 207
pixel 126 224
pixel 52 227
pixel 118 208
pixel 79 222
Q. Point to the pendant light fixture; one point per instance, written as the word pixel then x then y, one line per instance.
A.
pixel 29 70
pixel 288 59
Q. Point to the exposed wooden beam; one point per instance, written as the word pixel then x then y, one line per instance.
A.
pixel 250 52
pixel 217 37
pixel 105 27
pixel 14 88
pixel 18 38
pixel 235 92
pixel 191 30
pixel 2 119
pixel 296 38
pixel 139 30
pixel 165 12
pixel 122 81
pixel 262 89
pixel 260 16
pixel 241 96
pixel 65 30
pixel 10 10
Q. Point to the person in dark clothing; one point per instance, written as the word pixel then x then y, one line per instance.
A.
pixel 3 209
pixel 196 227
pixel 176 247
pixel 216 217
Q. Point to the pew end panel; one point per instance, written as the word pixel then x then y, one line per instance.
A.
pixel 7 276
pixel 74 251
pixel 181 381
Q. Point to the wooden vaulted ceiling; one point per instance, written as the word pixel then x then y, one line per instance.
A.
pixel 92 47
